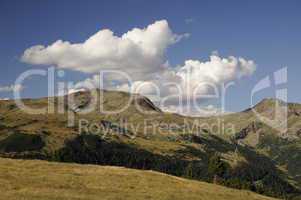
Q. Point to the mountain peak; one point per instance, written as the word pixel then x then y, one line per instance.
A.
pixel 268 104
pixel 114 100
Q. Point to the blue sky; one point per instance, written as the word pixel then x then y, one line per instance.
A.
pixel 267 32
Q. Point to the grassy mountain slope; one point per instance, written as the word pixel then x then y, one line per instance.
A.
pixel 21 179
pixel 247 160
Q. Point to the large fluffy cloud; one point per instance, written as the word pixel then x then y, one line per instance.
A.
pixel 182 89
pixel 195 77
pixel 199 77
pixel 139 52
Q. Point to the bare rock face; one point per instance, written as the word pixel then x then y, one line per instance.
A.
pixel 80 100
pixel 144 103
pixel 299 133
pixel 294 109
pixel 249 135
pixel 253 127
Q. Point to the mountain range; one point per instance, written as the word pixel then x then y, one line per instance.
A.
pixel 237 150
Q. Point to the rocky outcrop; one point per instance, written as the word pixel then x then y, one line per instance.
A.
pixel 144 103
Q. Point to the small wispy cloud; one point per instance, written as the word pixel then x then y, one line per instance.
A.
pixel 4 99
pixel 189 20
pixel 11 88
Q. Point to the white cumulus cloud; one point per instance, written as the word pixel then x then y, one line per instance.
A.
pixel 181 89
pixel 199 76
pixel 139 52
pixel 195 77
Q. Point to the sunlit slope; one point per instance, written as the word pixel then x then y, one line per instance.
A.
pixel 48 180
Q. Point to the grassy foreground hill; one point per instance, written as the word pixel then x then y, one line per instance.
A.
pixel 25 179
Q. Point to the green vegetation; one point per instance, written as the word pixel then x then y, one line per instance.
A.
pixel 217 167
pixel 19 142
pixel 91 149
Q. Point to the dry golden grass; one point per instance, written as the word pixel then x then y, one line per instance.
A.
pixel 21 179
